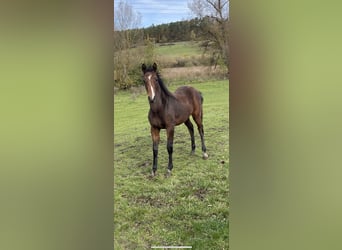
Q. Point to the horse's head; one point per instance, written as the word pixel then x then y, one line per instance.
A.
pixel 150 81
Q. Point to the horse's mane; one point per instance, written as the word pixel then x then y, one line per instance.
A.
pixel 163 86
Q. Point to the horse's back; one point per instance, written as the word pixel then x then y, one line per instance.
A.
pixel 188 93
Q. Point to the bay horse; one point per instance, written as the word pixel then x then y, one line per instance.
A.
pixel 168 110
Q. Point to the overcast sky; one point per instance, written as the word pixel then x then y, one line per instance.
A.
pixel 160 11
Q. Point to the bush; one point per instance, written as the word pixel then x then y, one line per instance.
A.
pixel 127 65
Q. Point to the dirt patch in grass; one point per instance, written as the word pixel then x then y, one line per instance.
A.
pixel 200 193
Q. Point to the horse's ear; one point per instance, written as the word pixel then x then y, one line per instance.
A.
pixel 143 67
pixel 154 66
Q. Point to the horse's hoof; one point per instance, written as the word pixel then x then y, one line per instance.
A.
pixel 153 174
pixel 168 173
pixel 205 156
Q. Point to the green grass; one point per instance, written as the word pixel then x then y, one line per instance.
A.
pixel 189 208
pixel 179 49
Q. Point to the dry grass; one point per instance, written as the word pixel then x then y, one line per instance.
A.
pixel 175 61
pixel 192 74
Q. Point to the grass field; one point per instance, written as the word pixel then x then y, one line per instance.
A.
pixel 181 54
pixel 191 207
pixel 179 49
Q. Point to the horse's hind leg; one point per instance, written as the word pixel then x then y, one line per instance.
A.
pixel 198 119
pixel 191 131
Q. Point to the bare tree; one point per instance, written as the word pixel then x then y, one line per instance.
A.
pixel 214 15
pixel 126 34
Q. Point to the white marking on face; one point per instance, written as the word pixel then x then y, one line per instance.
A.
pixel 153 94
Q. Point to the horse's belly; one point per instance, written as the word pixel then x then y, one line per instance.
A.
pixel 181 118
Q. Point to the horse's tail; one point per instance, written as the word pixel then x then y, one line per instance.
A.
pixel 201 97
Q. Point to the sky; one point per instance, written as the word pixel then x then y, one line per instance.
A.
pixel 159 11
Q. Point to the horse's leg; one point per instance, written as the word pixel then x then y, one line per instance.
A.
pixel 191 131
pixel 155 138
pixel 198 119
pixel 170 132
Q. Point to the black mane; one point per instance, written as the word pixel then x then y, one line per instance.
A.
pixel 163 86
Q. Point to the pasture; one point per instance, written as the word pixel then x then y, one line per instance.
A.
pixel 191 207
pixel 185 61
pixel 181 54
pixel 179 49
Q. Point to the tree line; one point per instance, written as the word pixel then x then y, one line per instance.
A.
pixel 195 29
pixel 187 30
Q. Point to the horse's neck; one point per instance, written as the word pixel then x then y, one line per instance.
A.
pixel 161 100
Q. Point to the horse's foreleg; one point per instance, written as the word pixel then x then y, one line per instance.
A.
pixel 155 138
pixel 191 131
pixel 170 133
